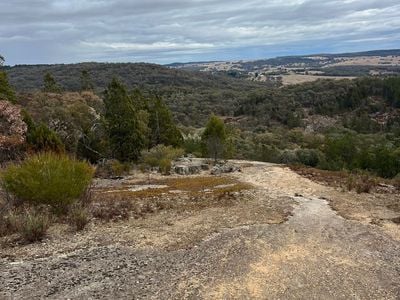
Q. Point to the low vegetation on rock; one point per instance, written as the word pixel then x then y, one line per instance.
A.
pixel 49 179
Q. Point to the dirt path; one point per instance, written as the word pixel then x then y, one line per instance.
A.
pixel 315 254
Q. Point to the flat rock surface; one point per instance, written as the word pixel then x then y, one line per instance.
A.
pixel 315 254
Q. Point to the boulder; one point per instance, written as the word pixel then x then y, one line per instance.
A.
pixel 194 169
pixel 205 167
pixel 187 169
pixel 224 168
pixel 181 169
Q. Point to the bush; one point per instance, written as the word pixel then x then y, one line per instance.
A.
pixel 350 183
pixel 161 157
pixel 308 157
pixel 33 225
pixel 39 137
pixel 165 166
pixel 119 169
pixel 48 178
pixel 112 168
pixel 365 184
pixel 78 217
pixel 361 183
pixel 8 222
pixel 192 144
pixel 396 181
pixel 288 157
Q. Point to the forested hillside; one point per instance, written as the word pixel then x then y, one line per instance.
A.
pixel 192 96
pixel 331 124
pixel 365 105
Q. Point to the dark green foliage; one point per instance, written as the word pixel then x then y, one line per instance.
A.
pixel 124 130
pixel 162 126
pixel 86 81
pixel 70 115
pixel 214 138
pixel 348 124
pixel 6 92
pixel 50 85
pixel 309 157
pixel 93 144
pixel 39 137
pixel 351 151
pixel 340 151
pixel 191 96
pixel 359 102
pixel 192 145
pixel 391 91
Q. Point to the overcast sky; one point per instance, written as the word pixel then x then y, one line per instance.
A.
pixel 164 31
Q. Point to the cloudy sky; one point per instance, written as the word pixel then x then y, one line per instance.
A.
pixel 164 31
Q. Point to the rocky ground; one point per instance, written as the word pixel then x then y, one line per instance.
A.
pixel 286 237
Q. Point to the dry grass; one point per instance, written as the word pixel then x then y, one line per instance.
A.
pixel 360 182
pixel 187 193
pixel 189 185
pixel 78 217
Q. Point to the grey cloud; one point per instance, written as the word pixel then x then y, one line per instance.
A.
pixel 47 31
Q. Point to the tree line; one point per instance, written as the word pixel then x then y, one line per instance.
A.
pixel 125 123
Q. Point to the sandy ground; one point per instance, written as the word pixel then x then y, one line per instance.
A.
pixel 367 61
pixel 299 78
pixel 251 249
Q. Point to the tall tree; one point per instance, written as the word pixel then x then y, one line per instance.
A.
pixel 163 128
pixel 50 85
pixel 86 81
pixel 214 138
pixel 123 126
pixel 39 137
pixel 6 92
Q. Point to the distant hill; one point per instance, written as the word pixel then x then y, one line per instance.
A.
pixel 225 88
pixel 30 77
pixel 376 62
pixel 192 96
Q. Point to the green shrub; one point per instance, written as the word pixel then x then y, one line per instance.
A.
pixel 39 137
pixel 165 166
pixel 308 157
pixel 288 157
pixel 33 225
pixel 192 144
pixel 119 168
pixel 112 168
pixel 78 217
pixel 161 157
pixel 48 178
